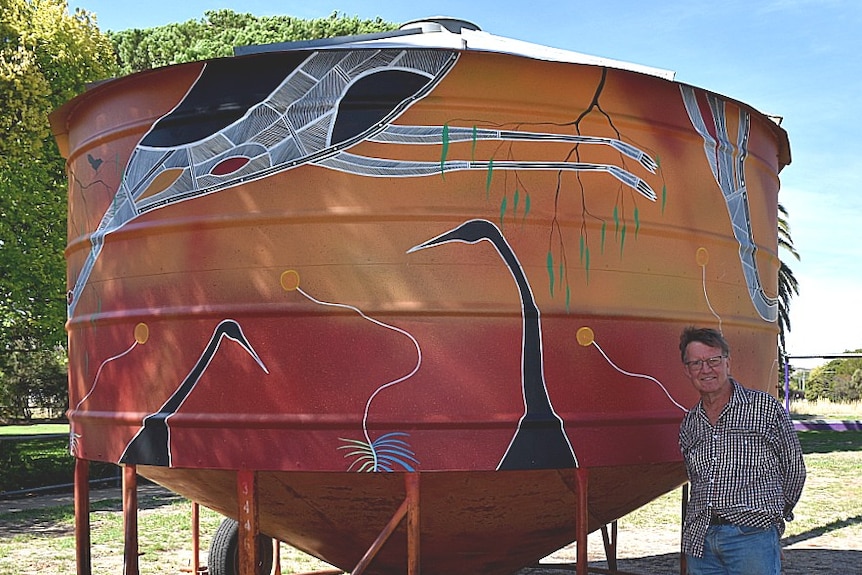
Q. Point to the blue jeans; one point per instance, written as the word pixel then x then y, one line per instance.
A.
pixel 738 550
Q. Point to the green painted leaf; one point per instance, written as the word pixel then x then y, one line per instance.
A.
pixel 503 210
pixel 488 179
pixel 582 247
pixel 526 205
pixel 473 150
pixel 616 220
pixel 515 200
pixel 445 150
pixel 663 197
pixel 587 264
pixel 622 239
pixel 637 221
pixel 568 297
pixel 550 264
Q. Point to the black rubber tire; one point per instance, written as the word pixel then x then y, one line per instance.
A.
pixel 224 551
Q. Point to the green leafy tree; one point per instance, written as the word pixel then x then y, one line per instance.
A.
pixel 818 384
pixel 47 56
pixel 33 378
pixel 847 387
pixel 220 31
pixel 839 380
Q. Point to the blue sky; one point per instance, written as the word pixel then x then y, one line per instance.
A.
pixel 798 59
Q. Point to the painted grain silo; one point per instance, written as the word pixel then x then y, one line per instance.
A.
pixel 436 268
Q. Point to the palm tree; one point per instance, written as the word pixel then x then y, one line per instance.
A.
pixel 788 286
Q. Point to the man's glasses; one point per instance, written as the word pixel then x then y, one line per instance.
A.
pixel 697 364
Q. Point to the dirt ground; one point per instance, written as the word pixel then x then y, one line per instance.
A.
pixel 641 551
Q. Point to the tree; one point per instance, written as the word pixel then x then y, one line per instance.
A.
pixel 847 387
pixel 32 378
pixel 788 286
pixel 47 56
pixel 818 383
pixel 839 380
pixel 220 31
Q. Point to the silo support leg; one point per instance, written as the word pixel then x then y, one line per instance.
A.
pixel 610 541
pixel 247 517
pixel 130 520
pixel 196 538
pixel 409 508
pixel 82 516
pixel 276 557
pixel 411 481
pixel 581 520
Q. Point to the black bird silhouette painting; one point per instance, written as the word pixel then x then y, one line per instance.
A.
pixel 152 444
pixel 540 441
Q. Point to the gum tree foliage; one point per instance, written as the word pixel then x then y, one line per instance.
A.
pixel 46 57
pixel 839 380
pixel 220 31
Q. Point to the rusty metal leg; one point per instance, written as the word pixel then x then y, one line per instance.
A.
pixel 196 538
pixel 276 557
pixel 411 481
pixel 411 505
pixel 683 567
pixel 82 516
pixel 249 531
pixel 581 521
pixel 130 520
pixel 610 541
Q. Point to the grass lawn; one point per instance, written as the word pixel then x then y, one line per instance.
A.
pixel 34 429
pixel 825 409
pixel 42 541
pixel 831 503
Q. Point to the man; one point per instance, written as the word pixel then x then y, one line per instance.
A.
pixel 744 464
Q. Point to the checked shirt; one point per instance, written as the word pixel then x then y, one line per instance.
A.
pixel 748 469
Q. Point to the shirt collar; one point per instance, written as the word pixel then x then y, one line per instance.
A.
pixel 737 397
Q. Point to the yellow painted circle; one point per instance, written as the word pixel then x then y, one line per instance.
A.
pixel 586 336
pixel 142 333
pixel 290 280
pixel 702 257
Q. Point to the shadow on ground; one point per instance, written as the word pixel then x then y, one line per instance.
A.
pixel 52 515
